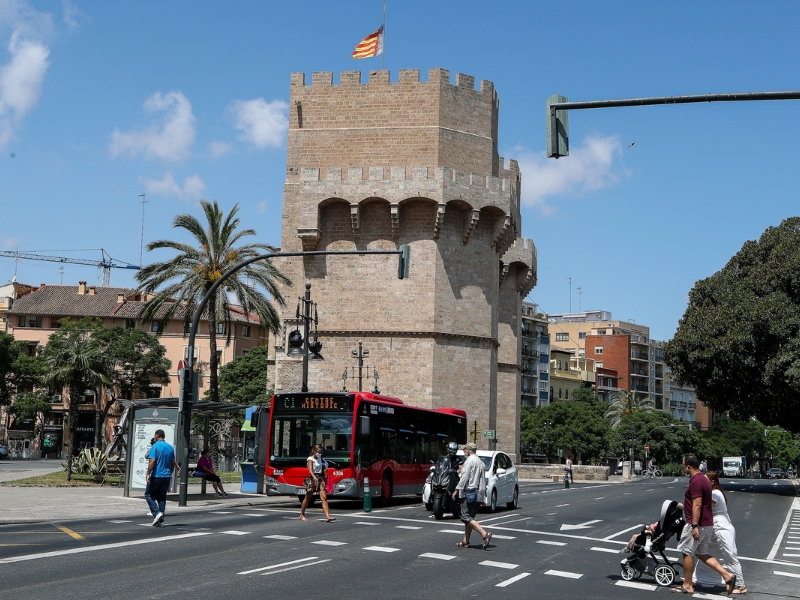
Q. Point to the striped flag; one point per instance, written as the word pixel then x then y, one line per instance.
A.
pixel 370 46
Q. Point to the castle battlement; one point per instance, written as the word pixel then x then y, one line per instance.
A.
pixel 438 77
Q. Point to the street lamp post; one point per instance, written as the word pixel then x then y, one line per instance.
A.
pixel 633 435
pixel 547 425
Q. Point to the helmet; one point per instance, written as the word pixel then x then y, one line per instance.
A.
pixel 452 448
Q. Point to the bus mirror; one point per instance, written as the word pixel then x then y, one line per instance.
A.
pixel 254 419
pixel 365 425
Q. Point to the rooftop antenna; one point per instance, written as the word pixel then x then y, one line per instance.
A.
pixel 61 271
pixel 580 297
pixel 570 293
pixel 141 243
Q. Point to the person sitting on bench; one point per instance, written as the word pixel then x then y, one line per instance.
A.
pixel 206 470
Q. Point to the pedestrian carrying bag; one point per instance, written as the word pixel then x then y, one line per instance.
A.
pixel 329 483
pixel 471 496
pixel 312 483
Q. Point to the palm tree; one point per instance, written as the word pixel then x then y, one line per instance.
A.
pixel 74 361
pixel 190 274
pixel 626 403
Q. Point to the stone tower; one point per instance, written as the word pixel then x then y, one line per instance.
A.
pixel 379 164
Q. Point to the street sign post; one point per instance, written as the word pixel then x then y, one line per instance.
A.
pixel 489 434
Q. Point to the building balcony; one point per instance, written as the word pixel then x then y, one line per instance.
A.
pixel 639 388
pixel 636 355
pixel 639 373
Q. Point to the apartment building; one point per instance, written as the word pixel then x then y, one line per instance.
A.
pixel 620 346
pixel 8 293
pixel 564 379
pixel 535 358
pixel 35 316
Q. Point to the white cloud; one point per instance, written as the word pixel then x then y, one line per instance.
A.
pixel 169 140
pixel 192 188
pixel 262 123
pixel 22 76
pixel 589 167
pixel 262 206
pixel 218 148
pixel 10 243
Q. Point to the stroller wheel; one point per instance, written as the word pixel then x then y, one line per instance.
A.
pixel 627 572
pixel 664 575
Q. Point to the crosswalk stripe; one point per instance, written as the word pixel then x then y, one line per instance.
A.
pixel 281 537
pixel 785 574
pixel 636 585
pixel 609 550
pixel 329 543
pixel 460 532
pixel 297 567
pixel 120 521
pixel 437 556
pixel 381 549
pixel 285 564
pixel 499 565
pixel 792 555
pixel 221 512
pixel 234 532
pixel 365 523
pixel 551 543
pixel 407 527
pixel 566 574
pixel 252 515
pixel 508 582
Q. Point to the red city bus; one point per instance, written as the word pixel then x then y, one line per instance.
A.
pixel 364 435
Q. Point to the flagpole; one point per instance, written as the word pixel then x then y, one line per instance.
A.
pixel 383 54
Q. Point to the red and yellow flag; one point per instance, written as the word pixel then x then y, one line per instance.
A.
pixel 370 46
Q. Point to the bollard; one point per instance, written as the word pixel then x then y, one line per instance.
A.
pixel 367 499
pixel 566 480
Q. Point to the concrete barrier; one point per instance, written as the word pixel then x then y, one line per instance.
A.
pixel 556 472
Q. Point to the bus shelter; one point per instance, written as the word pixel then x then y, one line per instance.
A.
pixel 141 418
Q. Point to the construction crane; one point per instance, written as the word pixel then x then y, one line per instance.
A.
pixel 106 262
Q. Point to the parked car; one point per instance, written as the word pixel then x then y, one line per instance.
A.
pixel 501 479
pixel 775 473
pixel 3 451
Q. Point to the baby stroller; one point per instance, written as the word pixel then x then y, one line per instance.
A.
pixel 643 559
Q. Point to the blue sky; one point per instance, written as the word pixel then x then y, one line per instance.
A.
pixel 103 101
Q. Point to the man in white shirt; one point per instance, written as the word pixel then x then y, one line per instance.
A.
pixel 568 469
pixel 471 489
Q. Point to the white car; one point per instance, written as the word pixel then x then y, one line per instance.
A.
pixel 501 480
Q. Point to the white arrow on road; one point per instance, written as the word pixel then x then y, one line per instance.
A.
pixel 586 525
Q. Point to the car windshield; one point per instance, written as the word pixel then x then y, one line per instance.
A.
pixel 774 470
pixel 487 462
pixel 731 464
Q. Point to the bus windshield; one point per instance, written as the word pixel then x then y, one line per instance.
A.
pixel 293 435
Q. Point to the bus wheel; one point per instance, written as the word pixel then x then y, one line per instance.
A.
pixel 386 489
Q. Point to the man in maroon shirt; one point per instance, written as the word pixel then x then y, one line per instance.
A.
pixel 698 529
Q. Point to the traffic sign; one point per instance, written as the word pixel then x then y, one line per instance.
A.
pixel 489 434
pixel 646 447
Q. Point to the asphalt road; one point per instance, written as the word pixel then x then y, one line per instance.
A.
pixel 559 544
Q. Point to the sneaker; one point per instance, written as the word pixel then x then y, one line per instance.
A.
pixel 149 514
pixel 161 524
pixel 157 517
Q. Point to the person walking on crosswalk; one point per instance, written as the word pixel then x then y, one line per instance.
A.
pixel 471 489
pixel 159 473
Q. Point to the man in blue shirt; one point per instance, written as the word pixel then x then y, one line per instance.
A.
pixel 159 472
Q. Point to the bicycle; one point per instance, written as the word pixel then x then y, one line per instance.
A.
pixel 654 474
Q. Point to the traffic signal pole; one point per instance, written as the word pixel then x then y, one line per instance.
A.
pixel 557 107
pixel 188 375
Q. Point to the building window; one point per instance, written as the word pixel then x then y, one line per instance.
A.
pixel 601 332
pixel 30 321
pixel 21 321
pixel 598 349
pixel 598 365
pixel 55 322
pixel 220 327
pixel 566 394
pixel 245 330
pixel 581 352
pixel 130 324
pixel 582 335
pixel 543 386
pixel 219 357
pixel 551 391
pixel 559 393
pixel 154 327
pixel 635 337
pixel 559 365
pixel 562 337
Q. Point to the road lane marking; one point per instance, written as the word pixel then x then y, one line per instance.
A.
pixel 609 550
pixel 252 515
pixel 221 512
pixel 585 525
pixel 560 505
pixel 365 523
pixel 613 535
pixel 406 527
pixel 286 564
pixel 551 543
pixel 785 574
pixel 779 539
pixel 381 549
pixel 792 555
pixel 297 567
pixel 600 498
pixel 234 532
pixel 499 565
pixel 513 521
pixel 516 578
pixel 281 537
pixel 706 596
pixel 437 556
pixel 329 543
pixel 566 574
pixel 159 540
pixel 120 521
pixel 497 536
pixel 639 586
pixel 494 519
pixel 70 533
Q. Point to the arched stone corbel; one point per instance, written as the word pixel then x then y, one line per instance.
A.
pixel 501 228
pixel 355 221
pixel 437 225
pixel 394 211
pixel 503 272
pixel 471 221
pixel 310 238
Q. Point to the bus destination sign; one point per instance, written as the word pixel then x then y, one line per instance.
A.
pixel 304 402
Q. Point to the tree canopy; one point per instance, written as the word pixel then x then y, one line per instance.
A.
pixel 244 379
pixel 575 426
pixel 738 342
pixel 624 404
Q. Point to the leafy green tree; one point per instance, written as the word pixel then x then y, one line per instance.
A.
pixel 8 354
pixel 244 379
pixel 575 426
pixel 669 439
pixel 19 371
pixel 189 275
pixel 625 403
pixel 738 342
pixel 585 394
pixel 74 361
pixel 780 448
pixel 31 405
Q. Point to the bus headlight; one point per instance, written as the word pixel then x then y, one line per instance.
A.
pixel 344 484
pixel 271 482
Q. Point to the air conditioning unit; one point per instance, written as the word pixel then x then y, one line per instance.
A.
pixel 56 399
